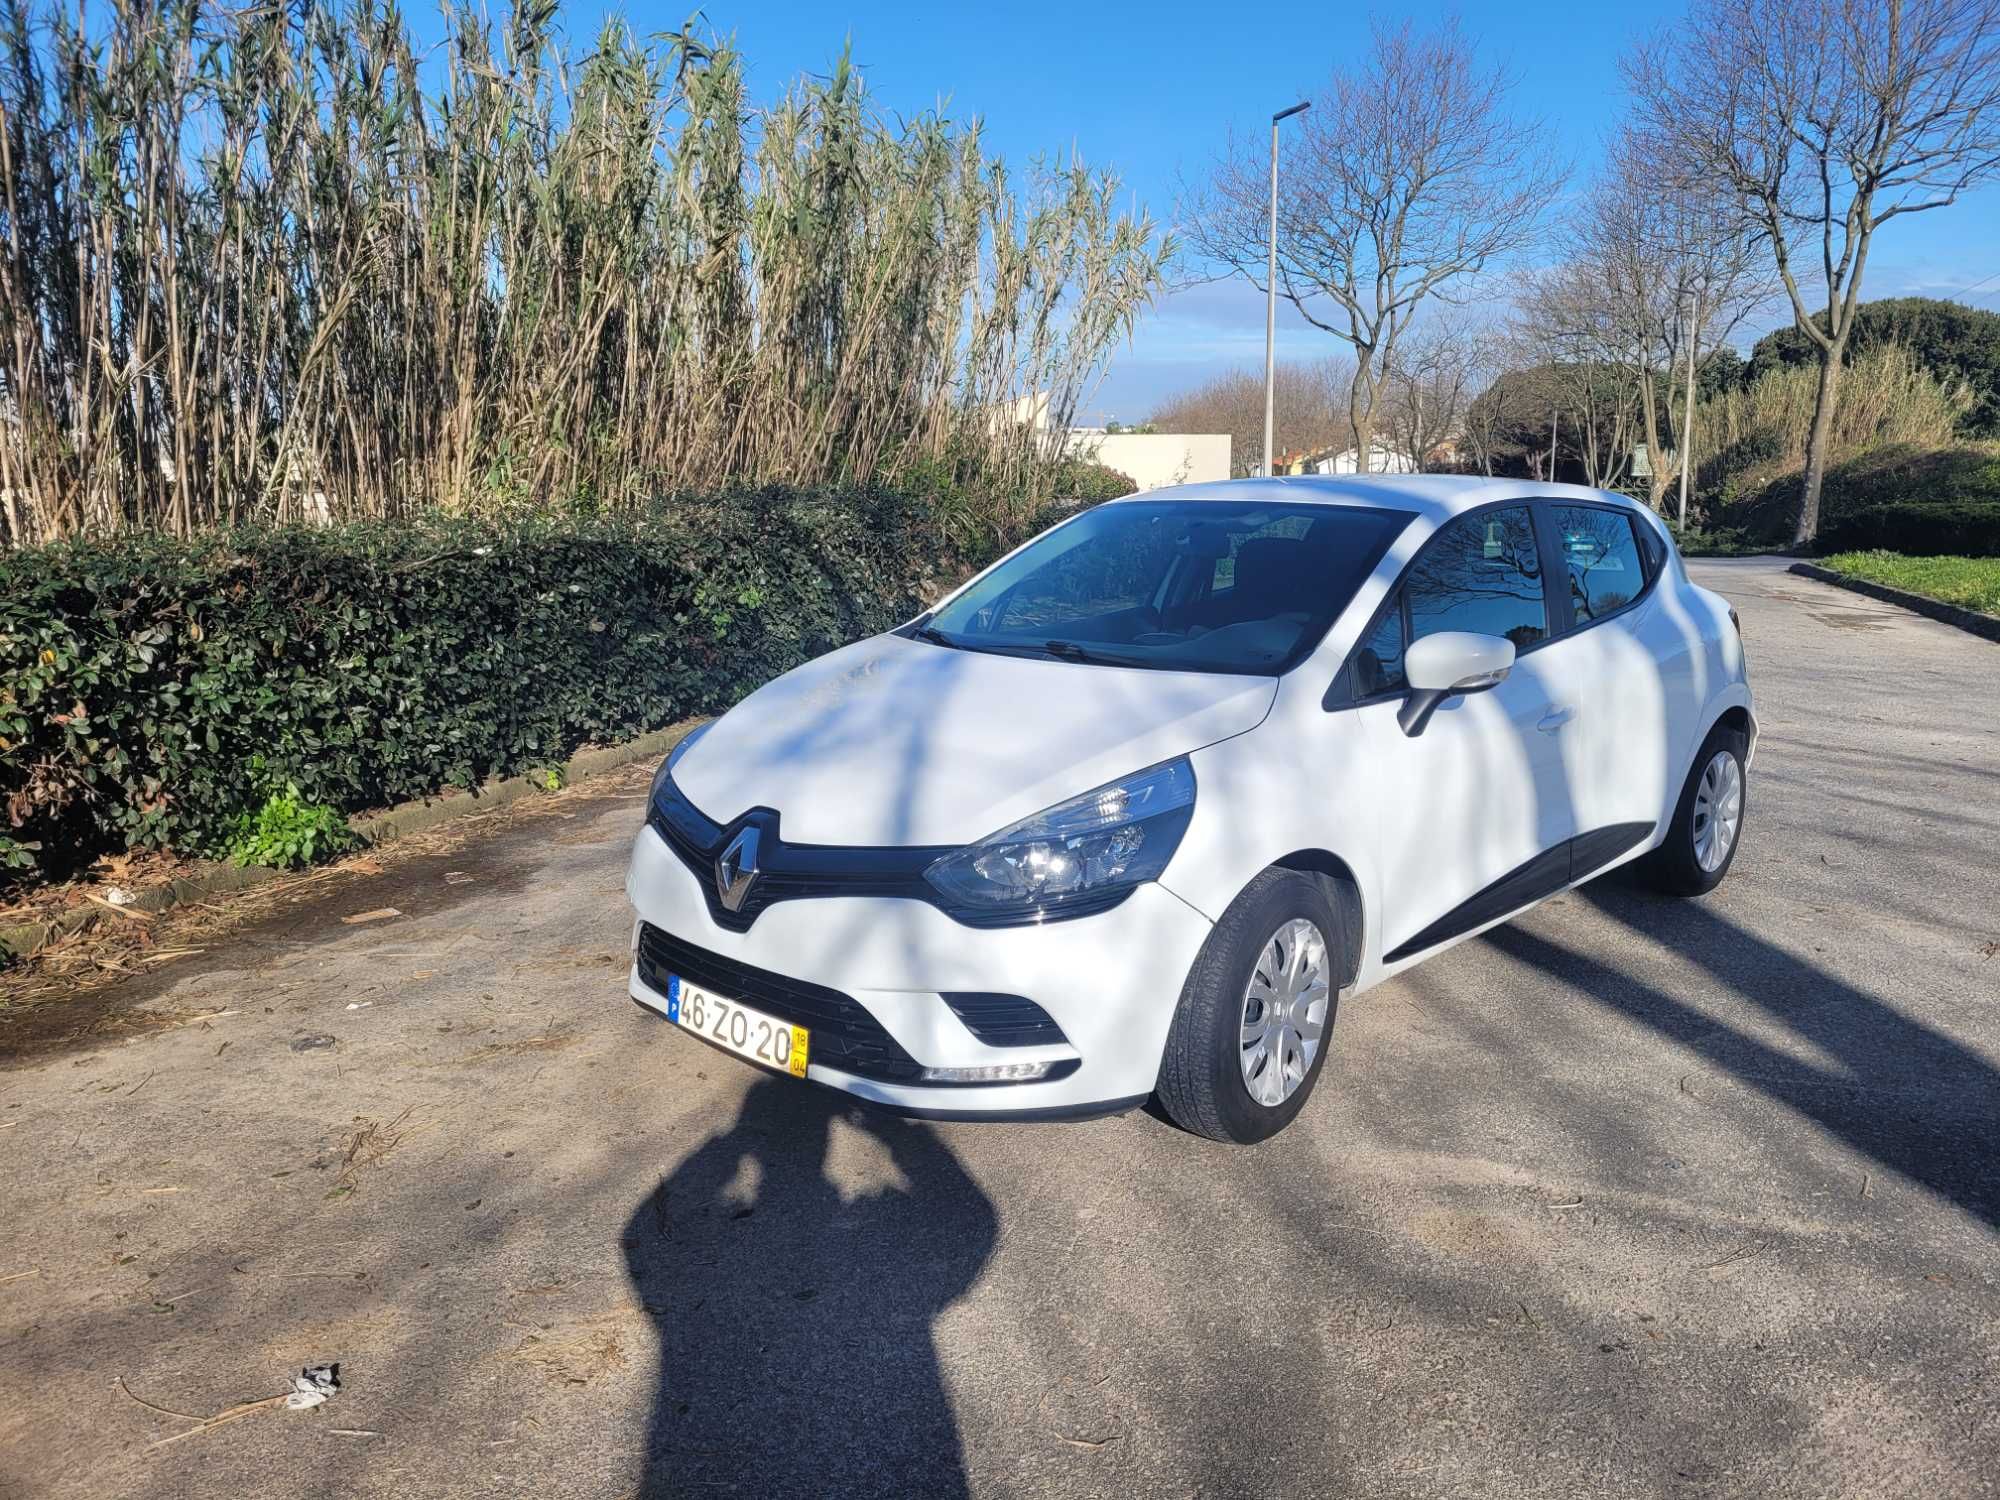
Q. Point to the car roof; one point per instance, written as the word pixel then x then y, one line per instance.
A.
pixel 1437 496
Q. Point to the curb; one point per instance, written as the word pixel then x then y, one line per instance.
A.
pixel 1987 626
pixel 220 878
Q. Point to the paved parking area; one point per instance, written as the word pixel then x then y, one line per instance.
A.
pixel 1628 1198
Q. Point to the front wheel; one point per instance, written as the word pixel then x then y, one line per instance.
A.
pixel 1707 825
pixel 1250 1034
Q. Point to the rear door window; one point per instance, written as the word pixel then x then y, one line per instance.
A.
pixel 1600 552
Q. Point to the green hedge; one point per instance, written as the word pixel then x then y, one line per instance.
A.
pixel 153 690
pixel 1897 498
pixel 1914 500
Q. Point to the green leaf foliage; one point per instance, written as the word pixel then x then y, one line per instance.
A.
pixel 286 832
pixel 1899 497
pixel 156 691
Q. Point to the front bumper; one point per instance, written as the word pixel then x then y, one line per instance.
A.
pixel 1110 981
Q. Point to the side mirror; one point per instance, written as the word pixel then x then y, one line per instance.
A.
pixel 1446 665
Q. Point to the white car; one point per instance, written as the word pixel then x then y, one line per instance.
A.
pixel 1133 810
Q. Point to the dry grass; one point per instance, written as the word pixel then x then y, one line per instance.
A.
pixel 367 1144
pixel 1885 396
pixel 272 262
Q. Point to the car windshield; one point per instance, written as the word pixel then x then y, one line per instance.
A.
pixel 1181 585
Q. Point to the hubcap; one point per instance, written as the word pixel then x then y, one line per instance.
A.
pixel 1284 1011
pixel 1718 810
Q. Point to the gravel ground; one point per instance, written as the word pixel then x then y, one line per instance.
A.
pixel 1627 1198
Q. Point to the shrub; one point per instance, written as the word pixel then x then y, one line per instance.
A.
pixel 1756 435
pixel 287 832
pixel 1952 341
pixel 1914 500
pixel 1899 497
pixel 1727 541
pixel 154 691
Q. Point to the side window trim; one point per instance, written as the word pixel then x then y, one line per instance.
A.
pixel 1555 595
pixel 1339 691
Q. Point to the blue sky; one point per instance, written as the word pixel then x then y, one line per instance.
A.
pixel 1153 90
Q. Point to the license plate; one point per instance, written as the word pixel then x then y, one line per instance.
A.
pixel 737 1028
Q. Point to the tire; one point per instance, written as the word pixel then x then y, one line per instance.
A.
pixel 1684 865
pixel 1203 1085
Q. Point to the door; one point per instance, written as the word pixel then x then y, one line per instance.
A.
pixel 1615 660
pixel 1475 813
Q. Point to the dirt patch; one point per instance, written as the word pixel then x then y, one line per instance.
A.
pixel 1852 619
pixel 576 1355
pixel 366 1146
pixel 1479 1236
pixel 92 983
pixel 551 1041
pixel 569 958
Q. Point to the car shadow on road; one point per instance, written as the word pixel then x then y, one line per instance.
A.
pixel 1904 1094
pixel 794 1317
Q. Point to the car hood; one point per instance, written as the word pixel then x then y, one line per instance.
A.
pixel 894 742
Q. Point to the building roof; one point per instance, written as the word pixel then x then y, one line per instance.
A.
pixel 1434 495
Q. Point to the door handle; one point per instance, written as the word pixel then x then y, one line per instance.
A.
pixel 1555 718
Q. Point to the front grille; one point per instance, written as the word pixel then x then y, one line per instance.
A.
pixel 786 872
pixel 793 872
pixel 1006 1020
pixel 844 1034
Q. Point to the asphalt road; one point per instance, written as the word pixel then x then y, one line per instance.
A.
pixel 1628 1198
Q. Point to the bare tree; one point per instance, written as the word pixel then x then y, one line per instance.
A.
pixel 1566 315
pixel 1426 390
pixel 1408 175
pixel 1233 402
pixel 1513 400
pixel 1823 120
pixel 1678 271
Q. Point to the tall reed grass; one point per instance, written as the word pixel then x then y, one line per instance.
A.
pixel 275 262
pixel 1749 435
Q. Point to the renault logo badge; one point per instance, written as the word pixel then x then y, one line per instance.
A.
pixel 736 870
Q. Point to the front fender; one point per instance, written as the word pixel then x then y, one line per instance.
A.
pixel 1267 797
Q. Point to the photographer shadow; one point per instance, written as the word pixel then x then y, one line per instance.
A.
pixel 795 1317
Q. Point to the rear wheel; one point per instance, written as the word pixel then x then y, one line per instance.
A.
pixel 1250 1034
pixel 1707 826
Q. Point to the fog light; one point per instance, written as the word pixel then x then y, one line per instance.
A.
pixel 1014 1072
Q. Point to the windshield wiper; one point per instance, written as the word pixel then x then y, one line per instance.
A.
pixel 1071 651
pixel 936 637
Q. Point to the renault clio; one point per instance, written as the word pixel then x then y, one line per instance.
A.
pixel 1132 812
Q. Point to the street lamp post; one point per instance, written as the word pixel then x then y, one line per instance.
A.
pixel 1687 423
pixel 1271 291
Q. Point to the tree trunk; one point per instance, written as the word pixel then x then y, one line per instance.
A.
pixel 1361 410
pixel 1817 440
pixel 1649 412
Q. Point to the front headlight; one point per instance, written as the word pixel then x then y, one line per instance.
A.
pixel 1079 856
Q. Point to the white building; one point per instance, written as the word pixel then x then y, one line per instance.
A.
pixel 1152 459
pixel 1381 460
pixel 1155 459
